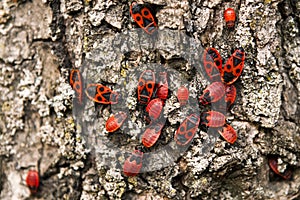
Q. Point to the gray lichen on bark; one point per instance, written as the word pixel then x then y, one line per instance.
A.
pixel 42 40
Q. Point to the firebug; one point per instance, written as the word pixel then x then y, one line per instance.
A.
pixel 33 181
pixel 229 16
pixel 228 133
pixel 182 95
pixel 233 67
pixel 213 119
pixel 152 134
pixel 133 163
pixel 76 82
pixel 143 16
pixel 213 93
pixel 212 62
pixel 230 95
pixel 162 86
pixel 115 122
pixel 146 86
pixel 154 108
pixel 187 129
pixel 273 163
pixel 101 94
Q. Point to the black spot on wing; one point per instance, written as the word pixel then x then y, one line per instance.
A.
pixel 106 96
pixel 236 61
pixel 181 139
pixel 228 77
pixel 144 92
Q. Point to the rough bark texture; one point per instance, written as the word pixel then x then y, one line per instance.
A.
pixel 41 128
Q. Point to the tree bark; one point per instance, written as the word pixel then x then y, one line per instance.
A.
pixel 43 127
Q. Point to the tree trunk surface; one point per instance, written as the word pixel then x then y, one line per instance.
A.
pixel 45 127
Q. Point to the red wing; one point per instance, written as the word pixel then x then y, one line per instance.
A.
pixel 182 95
pixel 230 95
pixel 213 93
pixel 228 133
pixel 233 67
pixel 133 163
pixel 210 67
pixel 98 93
pixel 76 83
pixel 138 18
pixel 216 57
pixel 74 76
pixel 115 122
pixel 111 125
pixel 143 17
pixel 154 108
pixel 273 163
pixel 187 129
pixel 213 119
pixel 120 117
pixel 163 86
pixel 32 181
pixel 146 86
pixel 151 134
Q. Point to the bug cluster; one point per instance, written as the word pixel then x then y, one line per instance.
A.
pixel 153 90
pixel 221 91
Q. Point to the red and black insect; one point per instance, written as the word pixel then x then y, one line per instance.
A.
pixel 115 122
pixel 230 95
pixel 233 67
pixel 162 86
pixel 133 163
pixel 228 133
pixel 229 16
pixel 143 16
pixel 187 130
pixel 213 93
pixel 76 82
pixel 273 163
pixel 101 94
pixel 213 119
pixel 215 55
pixel 152 134
pixel 146 86
pixel 154 108
pixel 33 181
pixel 212 62
pixel 182 95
